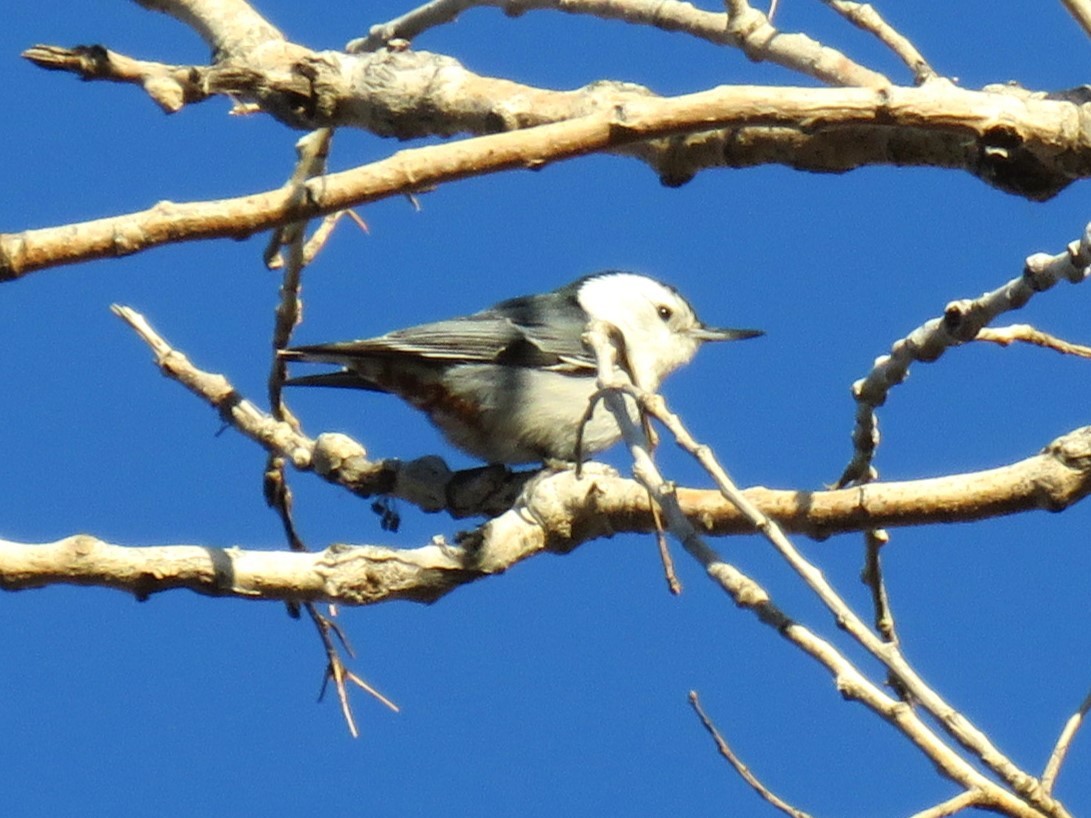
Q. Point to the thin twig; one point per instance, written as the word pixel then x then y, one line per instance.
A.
pixel 865 17
pixel 953 722
pixel 313 150
pixel 963 800
pixel 1081 11
pixel 740 767
pixel 336 670
pixel 1025 333
pixel 1031 801
pixel 1064 741
pixel 962 321
pixel 674 585
pixel 171 87
pixel 753 32
pixel 872 576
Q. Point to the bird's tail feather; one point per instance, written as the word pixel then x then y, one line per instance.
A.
pixel 343 379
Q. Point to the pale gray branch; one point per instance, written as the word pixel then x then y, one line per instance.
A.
pixel 231 28
pixel 355 575
pixel 737 764
pixel 1081 12
pixel 1026 334
pixel 962 321
pixel 964 800
pixel 617 391
pixel 1064 741
pixel 816 128
pixel 757 38
pixel 867 18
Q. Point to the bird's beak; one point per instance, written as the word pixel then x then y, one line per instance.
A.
pixel 724 334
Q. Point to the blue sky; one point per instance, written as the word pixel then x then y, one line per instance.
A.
pixel 560 687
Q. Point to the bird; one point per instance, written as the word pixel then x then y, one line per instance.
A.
pixel 511 384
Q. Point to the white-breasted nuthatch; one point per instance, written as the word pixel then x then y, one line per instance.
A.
pixel 512 383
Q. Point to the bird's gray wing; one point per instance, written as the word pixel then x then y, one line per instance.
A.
pixel 513 333
pixel 551 330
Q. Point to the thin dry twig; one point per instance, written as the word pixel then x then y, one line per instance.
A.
pixel 674 585
pixel 742 769
pixel 1030 801
pixel 1025 333
pixel 313 150
pixel 867 18
pixel 953 722
pixel 872 576
pixel 336 670
pixel 320 236
pixel 883 613
pixel 1081 12
pixel 962 321
pixel 964 800
pixel 1064 741
pixel 1054 479
pixel 754 34
pixel 171 87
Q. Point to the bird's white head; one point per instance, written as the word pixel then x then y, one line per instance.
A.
pixel 660 328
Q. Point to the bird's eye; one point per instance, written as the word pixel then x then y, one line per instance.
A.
pixel 665 312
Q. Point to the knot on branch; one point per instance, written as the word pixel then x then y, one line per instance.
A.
pixel 963 319
pixel 1073 449
pixel 565 506
pixel 1005 162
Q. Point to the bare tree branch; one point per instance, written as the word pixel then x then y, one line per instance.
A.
pixel 872 576
pixel 575 511
pixel 964 800
pixel 797 52
pixel 171 87
pixel 229 27
pixel 336 670
pixel 1020 141
pixel 312 151
pixel 618 389
pixel 1038 122
pixel 1064 741
pixel 1081 12
pixel 962 321
pixel 1025 333
pixel 865 17
pixel 888 653
pixel 356 575
pixel 742 769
